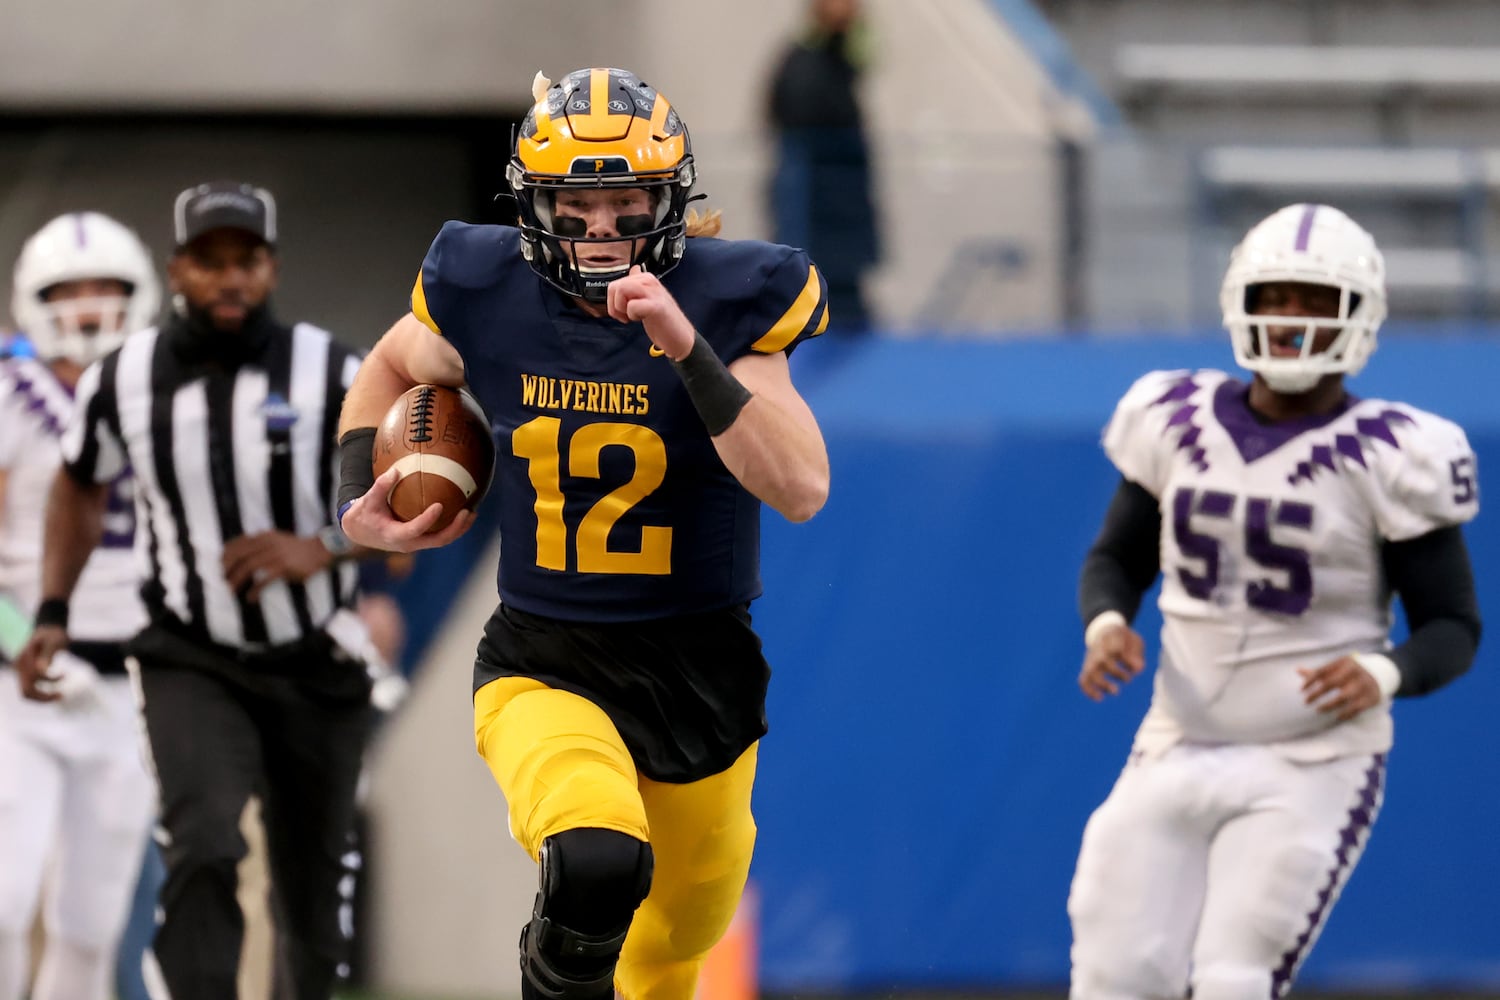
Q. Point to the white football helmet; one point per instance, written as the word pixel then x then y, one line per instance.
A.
pixel 1318 245
pixel 77 247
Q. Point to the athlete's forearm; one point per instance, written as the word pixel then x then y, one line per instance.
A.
pixel 407 354
pixel 1434 654
pixel 1432 573
pixel 768 438
pixel 376 386
pixel 73 528
pixel 1125 558
pixel 778 458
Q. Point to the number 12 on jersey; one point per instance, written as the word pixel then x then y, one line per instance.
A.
pixel 539 442
pixel 1261 515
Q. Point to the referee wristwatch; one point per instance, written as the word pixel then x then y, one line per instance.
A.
pixel 335 541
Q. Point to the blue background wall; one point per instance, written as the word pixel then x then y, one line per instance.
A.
pixel 931 761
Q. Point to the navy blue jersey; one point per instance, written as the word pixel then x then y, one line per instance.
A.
pixel 614 504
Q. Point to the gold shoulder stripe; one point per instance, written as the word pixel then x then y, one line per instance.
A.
pixel 796 318
pixel 419 306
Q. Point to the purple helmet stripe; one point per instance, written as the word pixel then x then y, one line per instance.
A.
pixel 81 230
pixel 1304 228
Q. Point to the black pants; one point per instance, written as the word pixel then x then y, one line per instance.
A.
pixel 216 739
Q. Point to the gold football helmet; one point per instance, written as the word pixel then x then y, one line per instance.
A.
pixel 600 128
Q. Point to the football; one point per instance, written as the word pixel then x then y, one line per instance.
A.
pixel 439 439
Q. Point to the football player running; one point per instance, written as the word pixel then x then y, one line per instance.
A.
pixel 75 794
pixel 638 382
pixel 1282 514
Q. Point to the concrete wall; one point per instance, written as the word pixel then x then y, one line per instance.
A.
pixel 961 119
pixel 451 890
pixel 294 55
pixel 357 208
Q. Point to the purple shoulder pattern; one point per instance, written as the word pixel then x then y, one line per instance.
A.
pixel 1178 397
pixel 26 380
pixel 1352 447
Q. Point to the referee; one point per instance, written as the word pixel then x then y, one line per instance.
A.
pixel 252 670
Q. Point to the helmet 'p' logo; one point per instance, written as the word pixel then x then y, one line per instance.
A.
pixel 598 165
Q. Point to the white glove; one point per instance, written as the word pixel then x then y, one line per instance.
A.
pixel 349 632
pixel 74 680
pixel 388 691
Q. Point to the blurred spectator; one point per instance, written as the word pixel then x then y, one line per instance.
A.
pixel 820 193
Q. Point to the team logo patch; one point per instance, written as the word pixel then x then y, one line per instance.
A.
pixel 280 415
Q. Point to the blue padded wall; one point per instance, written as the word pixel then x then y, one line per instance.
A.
pixel 931 762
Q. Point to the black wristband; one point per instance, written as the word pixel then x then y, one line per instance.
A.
pixel 356 464
pixel 716 394
pixel 53 611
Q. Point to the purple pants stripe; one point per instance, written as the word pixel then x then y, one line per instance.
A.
pixel 1351 845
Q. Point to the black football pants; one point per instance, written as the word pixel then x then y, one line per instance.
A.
pixel 214 743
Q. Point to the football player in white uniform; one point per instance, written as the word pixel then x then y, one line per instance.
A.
pixel 1283 515
pixel 76 799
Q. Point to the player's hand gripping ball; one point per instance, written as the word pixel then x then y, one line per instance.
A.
pixel 439 440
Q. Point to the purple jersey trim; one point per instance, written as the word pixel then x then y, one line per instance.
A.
pixel 1304 228
pixel 1352 446
pixel 25 384
pixel 1177 396
pixel 1253 436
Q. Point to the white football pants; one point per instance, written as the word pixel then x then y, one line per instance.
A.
pixel 76 806
pixel 1215 868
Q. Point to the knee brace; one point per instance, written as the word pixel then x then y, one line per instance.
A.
pixel 592 881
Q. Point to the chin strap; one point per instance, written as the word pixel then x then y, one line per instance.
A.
pixel 596 286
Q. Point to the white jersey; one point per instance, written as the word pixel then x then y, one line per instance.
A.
pixel 34 409
pixel 1271 551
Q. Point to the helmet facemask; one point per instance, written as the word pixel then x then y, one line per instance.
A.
pixel 81 329
pixel 555 244
pixel 1350 346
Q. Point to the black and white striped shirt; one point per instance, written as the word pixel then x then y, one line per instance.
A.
pixel 217 453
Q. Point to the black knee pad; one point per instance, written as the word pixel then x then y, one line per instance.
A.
pixel 592 881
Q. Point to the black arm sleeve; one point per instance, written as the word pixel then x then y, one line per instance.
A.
pixel 1436 584
pixel 1125 558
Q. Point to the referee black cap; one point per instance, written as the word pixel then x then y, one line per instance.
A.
pixel 224 205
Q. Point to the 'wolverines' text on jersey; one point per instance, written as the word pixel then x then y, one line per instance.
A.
pixel 614 504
